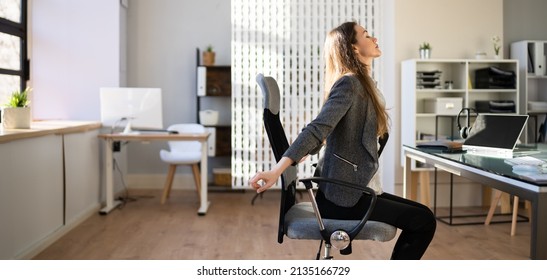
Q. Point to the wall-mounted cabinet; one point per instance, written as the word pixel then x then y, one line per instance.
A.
pixel 533 83
pixel 434 91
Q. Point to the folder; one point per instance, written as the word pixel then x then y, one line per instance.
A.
pixel 539 59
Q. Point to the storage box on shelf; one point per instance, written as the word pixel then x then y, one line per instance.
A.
pixel 443 105
pixel 532 84
pixel 430 112
pixel 222 176
pixel 208 117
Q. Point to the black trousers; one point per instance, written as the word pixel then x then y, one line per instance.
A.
pixel 416 221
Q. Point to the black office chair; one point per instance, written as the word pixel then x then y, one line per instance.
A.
pixel 303 220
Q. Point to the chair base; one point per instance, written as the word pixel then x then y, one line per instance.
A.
pixel 327 255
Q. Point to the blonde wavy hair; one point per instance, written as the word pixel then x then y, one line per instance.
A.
pixel 340 59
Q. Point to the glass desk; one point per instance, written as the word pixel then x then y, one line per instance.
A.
pixel 497 174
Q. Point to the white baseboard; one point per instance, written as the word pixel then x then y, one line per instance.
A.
pixel 157 181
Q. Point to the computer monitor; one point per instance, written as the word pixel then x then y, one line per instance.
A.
pixel 131 107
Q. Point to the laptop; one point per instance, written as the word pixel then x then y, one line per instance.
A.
pixel 495 135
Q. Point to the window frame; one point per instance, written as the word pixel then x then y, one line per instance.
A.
pixel 19 30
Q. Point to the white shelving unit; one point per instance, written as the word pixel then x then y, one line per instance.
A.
pixel 533 83
pixel 214 91
pixel 418 123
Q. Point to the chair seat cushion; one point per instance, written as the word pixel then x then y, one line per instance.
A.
pixel 301 223
pixel 180 158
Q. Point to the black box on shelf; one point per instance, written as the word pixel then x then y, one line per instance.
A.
pixel 498 106
pixel 494 78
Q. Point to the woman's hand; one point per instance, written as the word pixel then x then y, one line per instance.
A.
pixel 262 181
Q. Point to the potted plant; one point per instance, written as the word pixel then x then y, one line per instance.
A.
pixel 425 50
pixel 497 46
pixel 209 56
pixel 16 113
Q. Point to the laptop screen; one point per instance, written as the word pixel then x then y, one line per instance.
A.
pixel 496 131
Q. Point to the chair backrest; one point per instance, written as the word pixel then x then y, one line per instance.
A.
pixel 279 143
pixel 186 146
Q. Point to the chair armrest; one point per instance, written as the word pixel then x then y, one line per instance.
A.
pixel 366 190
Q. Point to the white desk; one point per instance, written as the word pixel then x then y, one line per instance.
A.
pixel 111 203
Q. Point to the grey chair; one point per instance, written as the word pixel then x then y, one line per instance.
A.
pixel 302 220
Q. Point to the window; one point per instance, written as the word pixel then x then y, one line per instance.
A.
pixel 14 66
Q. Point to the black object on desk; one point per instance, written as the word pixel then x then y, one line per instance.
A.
pixel 444 146
pixel 157 131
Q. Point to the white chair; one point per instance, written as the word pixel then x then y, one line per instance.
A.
pixel 182 153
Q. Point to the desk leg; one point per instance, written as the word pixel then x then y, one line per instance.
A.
pixel 538 242
pixel 109 180
pixel 412 190
pixel 204 203
pixel 425 196
pixel 407 182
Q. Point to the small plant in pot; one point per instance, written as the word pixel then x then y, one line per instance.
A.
pixel 425 50
pixel 16 113
pixel 209 56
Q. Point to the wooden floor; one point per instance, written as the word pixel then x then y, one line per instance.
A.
pixel 234 229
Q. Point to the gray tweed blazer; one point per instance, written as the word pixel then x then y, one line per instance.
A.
pixel 348 122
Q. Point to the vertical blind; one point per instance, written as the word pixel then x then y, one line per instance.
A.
pixel 283 39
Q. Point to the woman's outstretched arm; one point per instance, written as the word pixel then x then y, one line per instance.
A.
pixel 264 180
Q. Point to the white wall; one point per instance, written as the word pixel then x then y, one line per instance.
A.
pixel 162 39
pixel 75 50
